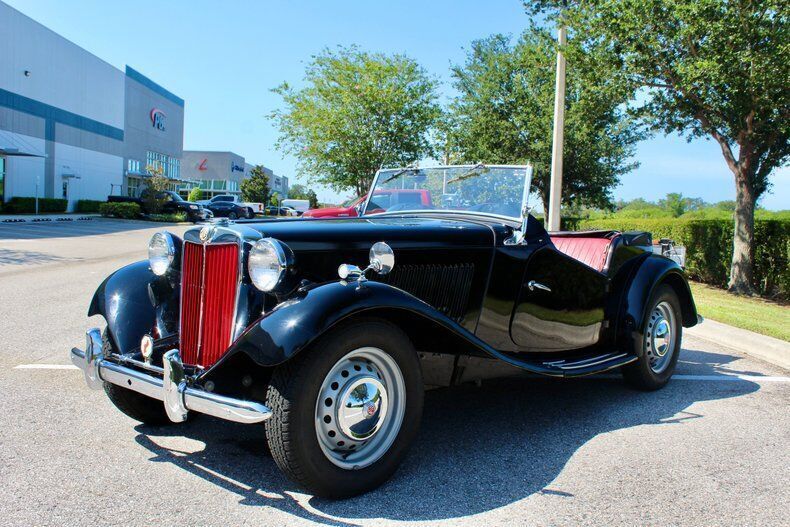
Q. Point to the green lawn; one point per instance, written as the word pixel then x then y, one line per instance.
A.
pixel 754 314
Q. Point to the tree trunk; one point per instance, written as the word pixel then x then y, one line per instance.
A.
pixel 741 272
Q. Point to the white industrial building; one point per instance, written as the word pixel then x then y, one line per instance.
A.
pixel 73 126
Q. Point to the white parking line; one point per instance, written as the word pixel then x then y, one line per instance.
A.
pixel 46 367
pixel 751 378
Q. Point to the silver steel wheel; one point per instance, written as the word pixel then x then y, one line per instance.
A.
pixel 360 408
pixel 660 337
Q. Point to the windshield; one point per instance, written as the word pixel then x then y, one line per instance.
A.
pixel 492 189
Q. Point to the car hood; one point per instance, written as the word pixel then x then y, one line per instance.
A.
pixel 361 233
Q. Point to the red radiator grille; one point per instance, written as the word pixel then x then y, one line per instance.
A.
pixel 209 276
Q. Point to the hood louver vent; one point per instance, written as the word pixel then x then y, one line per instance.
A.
pixel 445 287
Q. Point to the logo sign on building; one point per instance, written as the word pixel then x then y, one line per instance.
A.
pixel 236 168
pixel 203 165
pixel 158 118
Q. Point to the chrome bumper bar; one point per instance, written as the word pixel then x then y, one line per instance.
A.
pixel 171 389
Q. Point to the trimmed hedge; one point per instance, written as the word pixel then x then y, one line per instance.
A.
pixel 87 206
pixel 709 247
pixel 19 205
pixel 128 211
pixel 176 217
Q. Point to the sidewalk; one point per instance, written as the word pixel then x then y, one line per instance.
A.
pixel 769 349
pixel 30 218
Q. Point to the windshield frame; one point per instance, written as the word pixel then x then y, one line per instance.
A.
pixel 524 198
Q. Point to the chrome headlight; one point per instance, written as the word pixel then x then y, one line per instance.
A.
pixel 268 263
pixel 194 207
pixel 161 252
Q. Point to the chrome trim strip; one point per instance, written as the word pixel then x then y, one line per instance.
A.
pixel 588 362
pixel 172 389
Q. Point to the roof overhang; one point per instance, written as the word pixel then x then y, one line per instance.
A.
pixel 15 152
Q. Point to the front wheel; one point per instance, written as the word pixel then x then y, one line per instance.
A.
pixel 232 216
pixel 346 411
pixel 250 213
pixel 659 343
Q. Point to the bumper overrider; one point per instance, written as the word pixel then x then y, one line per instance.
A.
pixel 171 388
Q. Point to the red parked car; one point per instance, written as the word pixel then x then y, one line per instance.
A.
pixel 382 200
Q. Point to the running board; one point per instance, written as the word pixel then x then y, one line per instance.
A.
pixel 589 365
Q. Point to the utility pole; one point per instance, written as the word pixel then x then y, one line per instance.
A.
pixel 555 190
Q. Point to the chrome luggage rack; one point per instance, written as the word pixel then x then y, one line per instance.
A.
pixel 167 384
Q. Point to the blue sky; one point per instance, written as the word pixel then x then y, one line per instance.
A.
pixel 224 57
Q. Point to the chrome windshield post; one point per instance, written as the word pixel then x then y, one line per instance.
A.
pixel 520 234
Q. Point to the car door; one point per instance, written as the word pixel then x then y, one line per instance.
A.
pixel 220 208
pixel 560 304
pixel 169 206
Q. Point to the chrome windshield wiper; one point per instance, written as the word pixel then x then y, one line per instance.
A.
pixel 400 172
pixel 474 172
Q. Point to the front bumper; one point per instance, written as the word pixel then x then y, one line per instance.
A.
pixel 171 388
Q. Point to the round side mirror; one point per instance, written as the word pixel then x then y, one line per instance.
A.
pixel 382 258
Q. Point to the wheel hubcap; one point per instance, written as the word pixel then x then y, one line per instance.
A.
pixel 360 408
pixel 660 337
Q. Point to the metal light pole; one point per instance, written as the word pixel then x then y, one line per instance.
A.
pixel 555 190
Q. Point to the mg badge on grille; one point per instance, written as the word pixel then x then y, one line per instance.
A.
pixel 205 233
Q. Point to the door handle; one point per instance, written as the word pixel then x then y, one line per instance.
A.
pixel 532 284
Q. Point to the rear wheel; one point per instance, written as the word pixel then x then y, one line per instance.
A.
pixel 232 215
pixel 346 411
pixel 659 344
pixel 135 405
pixel 250 213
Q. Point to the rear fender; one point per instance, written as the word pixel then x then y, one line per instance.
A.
pixel 651 273
pixel 135 302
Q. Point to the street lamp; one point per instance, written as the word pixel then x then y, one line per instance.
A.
pixel 555 188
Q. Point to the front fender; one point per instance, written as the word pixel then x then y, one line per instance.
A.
pixel 295 324
pixel 652 272
pixel 134 302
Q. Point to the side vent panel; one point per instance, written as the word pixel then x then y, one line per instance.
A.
pixel 445 287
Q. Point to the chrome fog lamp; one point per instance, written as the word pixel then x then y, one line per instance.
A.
pixel 267 264
pixel 161 252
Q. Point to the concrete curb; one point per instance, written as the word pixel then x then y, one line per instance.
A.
pixel 763 347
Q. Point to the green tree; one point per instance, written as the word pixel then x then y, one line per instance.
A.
pixel 274 199
pixel 717 69
pixel 356 112
pixel 196 194
pixel 301 192
pixel 153 194
pixel 675 203
pixel 256 187
pixel 504 114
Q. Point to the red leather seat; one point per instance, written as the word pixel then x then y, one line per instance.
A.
pixel 591 251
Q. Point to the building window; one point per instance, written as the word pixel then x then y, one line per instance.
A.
pixel 170 166
pixel 133 166
pixel 132 186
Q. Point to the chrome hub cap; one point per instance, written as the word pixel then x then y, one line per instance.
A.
pixel 660 337
pixel 360 408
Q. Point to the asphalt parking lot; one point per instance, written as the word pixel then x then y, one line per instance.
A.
pixel 709 449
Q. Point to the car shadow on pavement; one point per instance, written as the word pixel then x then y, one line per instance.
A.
pixel 479 448
pixel 17 257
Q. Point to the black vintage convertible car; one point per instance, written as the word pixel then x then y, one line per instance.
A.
pixel 329 330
